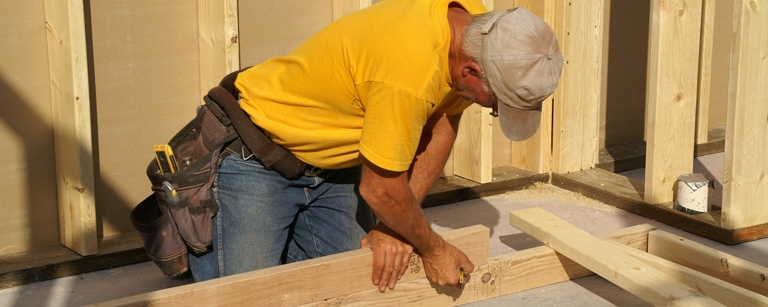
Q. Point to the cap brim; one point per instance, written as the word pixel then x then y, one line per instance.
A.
pixel 518 125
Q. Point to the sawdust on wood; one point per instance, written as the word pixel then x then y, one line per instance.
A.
pixel 541 190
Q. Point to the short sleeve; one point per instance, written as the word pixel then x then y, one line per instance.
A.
pixel 393 121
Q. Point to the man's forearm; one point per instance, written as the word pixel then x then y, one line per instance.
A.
pixel 434 148
pixel 390 197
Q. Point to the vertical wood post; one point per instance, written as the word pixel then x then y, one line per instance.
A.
pixel 581 30
pixel 745 193
pixel 218 41
pixel 673 59
pixel 70 101
pixel 705 71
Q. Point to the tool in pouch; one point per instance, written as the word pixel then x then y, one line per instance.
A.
pixel 177 217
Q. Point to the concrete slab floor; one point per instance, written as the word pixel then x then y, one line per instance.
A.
pixel 588 214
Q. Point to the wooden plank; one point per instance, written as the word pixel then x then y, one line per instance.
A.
pixel 605 260
pixel 304 282
pixel 472 150
pixel 745 183
pixel 577 111
pixel 455 189
pixel 541 266
pixel 505 274
pixel 710 261
pixel 218 40
pixel 705 70
pixel 71 109
pixel 671 95
pixel 721 291
pixel 344 7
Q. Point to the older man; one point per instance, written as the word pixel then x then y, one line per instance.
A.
pixel 372 103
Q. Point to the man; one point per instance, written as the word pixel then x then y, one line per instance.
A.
pixel 372 102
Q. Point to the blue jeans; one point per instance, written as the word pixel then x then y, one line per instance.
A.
pixel 267 220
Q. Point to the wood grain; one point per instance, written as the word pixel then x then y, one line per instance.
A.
pixel 607 261
pixel 745 182
pixel 311 281
pixel 673 61
pixel 71 109
pixel 218 40
pixel 707 260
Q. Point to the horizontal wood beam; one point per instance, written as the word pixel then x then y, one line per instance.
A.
pixel 707 260
pixel 542 266
pixel 504 274
pixel 726 293
pixel 607 261
pixel 303 282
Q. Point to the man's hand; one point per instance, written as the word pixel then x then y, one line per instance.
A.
pixel 443 265
pixel 391 255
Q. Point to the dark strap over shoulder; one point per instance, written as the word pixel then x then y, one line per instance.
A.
pixel 271 155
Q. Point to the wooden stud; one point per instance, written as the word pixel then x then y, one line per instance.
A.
pixel 218 41
pixel 344 7
pixel 70 101
pixel 472 150
pixel 723 292
pixel 745 184
pixel 671 94
pixel 710 261
pixel 304 282
pixel 705 71
pixel 581 30
pixel 605 260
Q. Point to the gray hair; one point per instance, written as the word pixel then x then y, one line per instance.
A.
pixel 472 42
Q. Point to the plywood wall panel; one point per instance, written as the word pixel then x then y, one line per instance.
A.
pixel 274 28
pixel 26 138
pixel 146 71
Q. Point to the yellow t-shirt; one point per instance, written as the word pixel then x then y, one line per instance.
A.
pixel 365 84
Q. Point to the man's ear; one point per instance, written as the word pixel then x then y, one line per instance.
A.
pixel 471 68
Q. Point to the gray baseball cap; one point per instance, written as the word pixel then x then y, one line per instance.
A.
pixel 522 62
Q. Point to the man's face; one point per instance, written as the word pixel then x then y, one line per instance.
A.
pixel 475 89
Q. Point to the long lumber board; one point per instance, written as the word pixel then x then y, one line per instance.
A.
pixel 302 282
pixel 726 293
pixel 508 273
pixel 504 274
pixel 704 259
pixel 607 261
